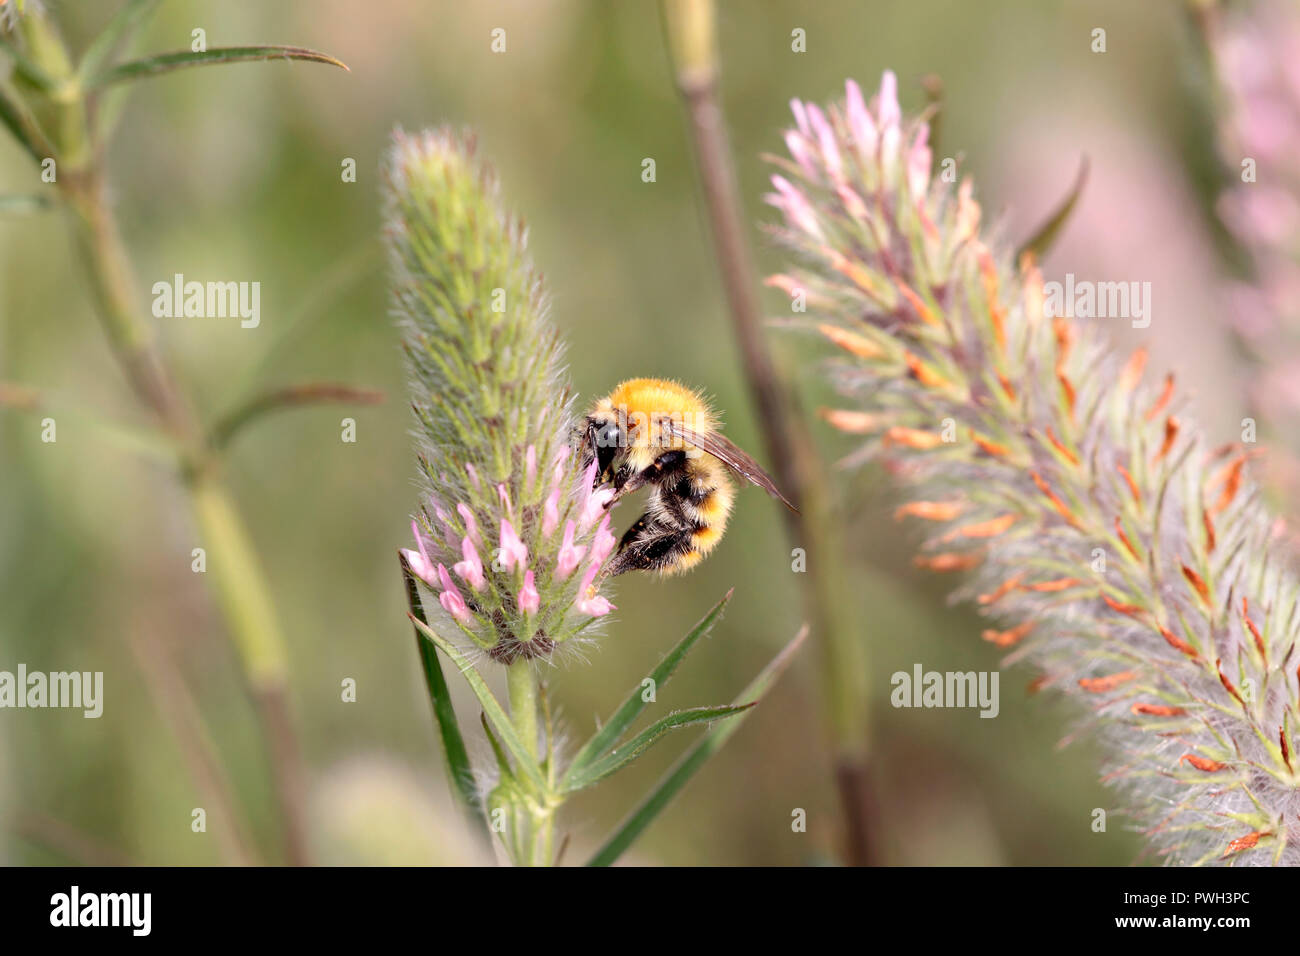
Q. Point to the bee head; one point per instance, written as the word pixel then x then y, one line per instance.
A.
pixel 606 436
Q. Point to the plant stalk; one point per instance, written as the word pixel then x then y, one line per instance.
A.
pixel 237 578
pixel 176 703
pixel 789 446
pixel 537 814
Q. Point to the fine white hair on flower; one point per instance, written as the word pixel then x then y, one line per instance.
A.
pixel 14 10
pixel 1133 567
pixel 504 536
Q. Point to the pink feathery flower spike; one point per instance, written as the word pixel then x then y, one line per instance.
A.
pixel 1132 566
pixel 488 389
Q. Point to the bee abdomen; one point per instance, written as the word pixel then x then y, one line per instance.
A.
pixel 704 537
pixel 654 544
pixel 706 504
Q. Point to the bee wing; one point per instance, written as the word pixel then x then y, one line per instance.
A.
pixel 735 458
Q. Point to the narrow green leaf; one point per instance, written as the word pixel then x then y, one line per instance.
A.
pixel 503 765
pixel 180 59
pixel 525 763
pixel 613 730
pixel 125 22
pixel 1046 234
pixel 459 769
pixel 23 205
pixel 27 71
pixel 22 125
pixel 291 396
pixel 11 118
pixel 149 443
pixel 682 771
pixel 620 757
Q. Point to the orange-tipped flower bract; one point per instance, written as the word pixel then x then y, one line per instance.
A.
pixel 1097 502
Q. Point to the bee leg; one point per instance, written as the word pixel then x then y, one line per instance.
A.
pixel 650 545
pixel 585 442
pixel 665 465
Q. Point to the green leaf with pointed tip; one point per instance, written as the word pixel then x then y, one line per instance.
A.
pixel 180 59
pixel 150 443
pixel 18 119
pixel 525 763
pixel 125 22
pixel 620 757
pixel 503 765
pixel 616 726
pixel 682 771
pixel 453 745
pixel 1043 238
pixel 28 72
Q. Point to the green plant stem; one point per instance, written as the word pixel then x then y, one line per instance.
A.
pixel 236 576
pixel 58 124
pixel 177 705
pixel 521 685
pixel 111 281
pixel 789 446
pixel 292 396
pixel 237 579
pixel 67 841
pixel 537 843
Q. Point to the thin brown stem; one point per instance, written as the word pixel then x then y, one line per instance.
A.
pixel 237 578
pixel 175 701
pixel 292 396
pixel 287 768
pixel 789 446
pixel 67 841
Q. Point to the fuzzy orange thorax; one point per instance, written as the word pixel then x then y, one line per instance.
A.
pixel 643 404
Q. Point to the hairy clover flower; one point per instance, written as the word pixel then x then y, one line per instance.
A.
pixel 511 536
pixel 1135 569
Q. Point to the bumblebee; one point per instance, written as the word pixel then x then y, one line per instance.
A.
pixel 650 431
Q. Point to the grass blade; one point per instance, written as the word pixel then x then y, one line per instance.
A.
pixel 613 730
pixel 1043 238
pixel 453 745
pixel 19 121
pixel 525 763
pixel 27 71
pixel 149 443
pixel 180 59
pixel 503 765
pixel 691 761
pixel 124 23
pixel 620 757
pixel 290 396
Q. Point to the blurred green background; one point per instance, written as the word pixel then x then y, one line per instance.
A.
pixel 234 173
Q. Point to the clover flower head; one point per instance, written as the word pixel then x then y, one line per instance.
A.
pixel 491 404
pixel 1135 569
